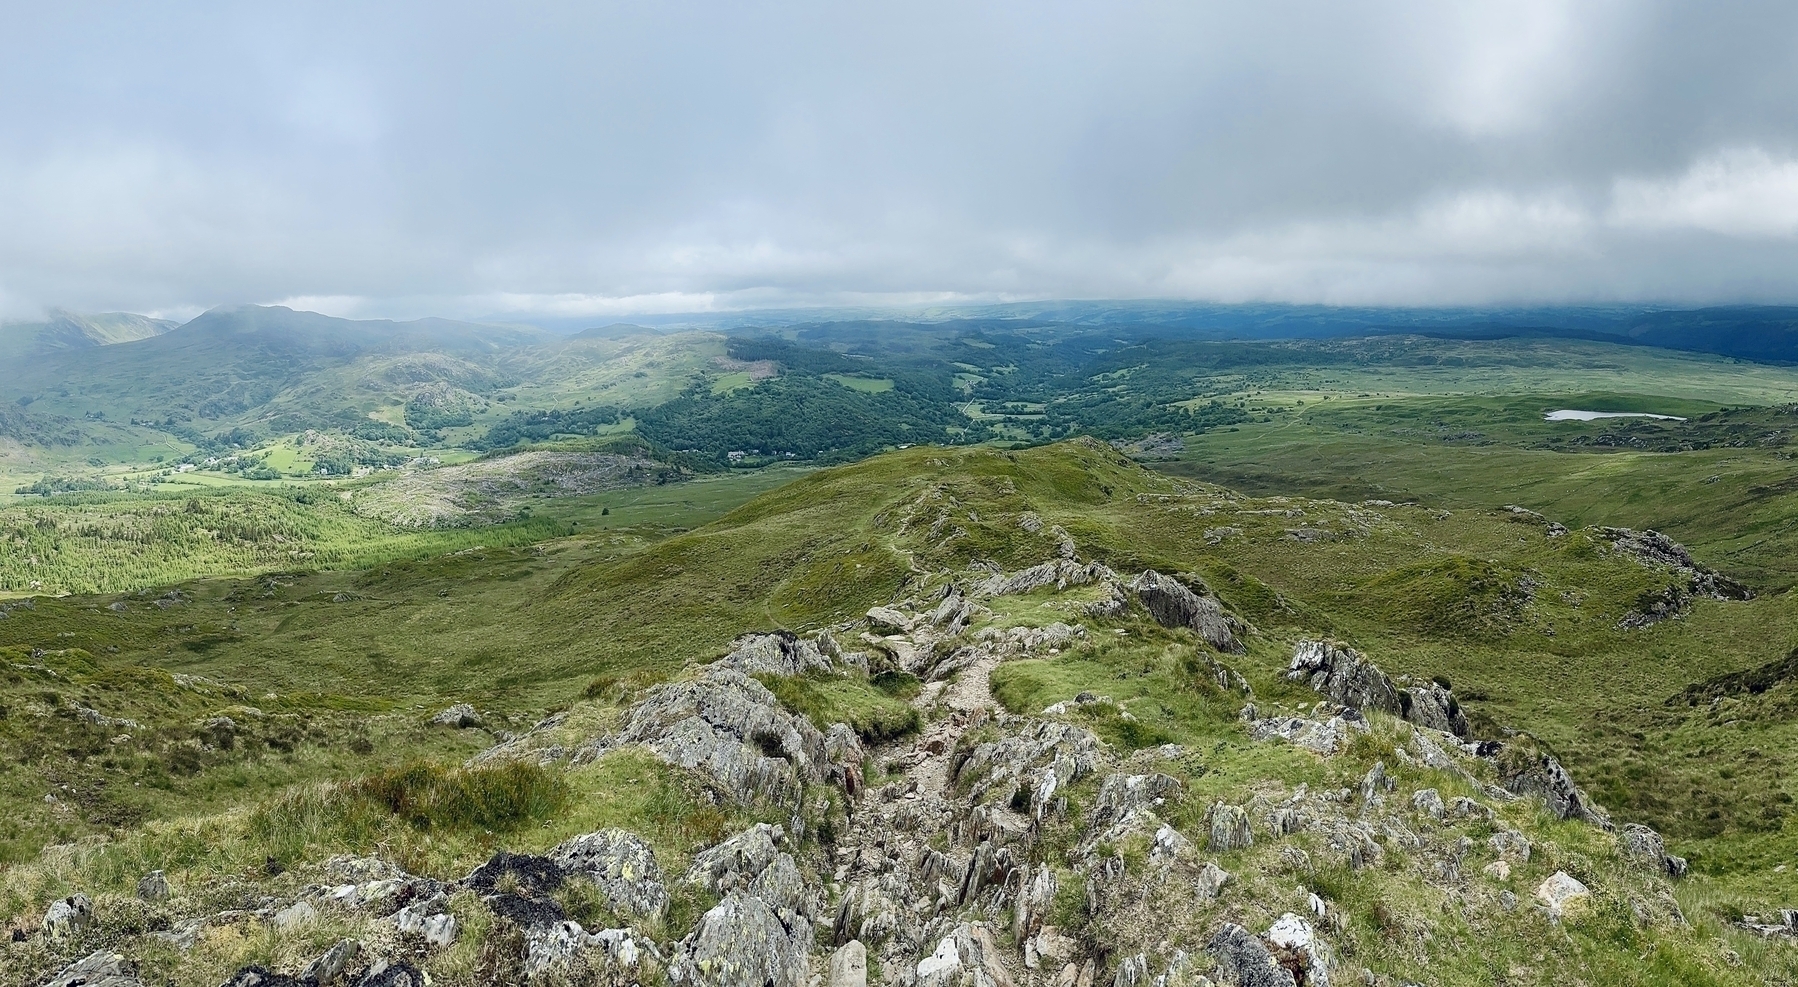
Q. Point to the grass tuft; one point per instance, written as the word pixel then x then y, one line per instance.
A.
pixel 497 799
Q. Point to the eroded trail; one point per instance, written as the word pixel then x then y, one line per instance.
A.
pixel 949 707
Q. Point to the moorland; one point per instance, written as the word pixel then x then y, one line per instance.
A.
pixel 249 560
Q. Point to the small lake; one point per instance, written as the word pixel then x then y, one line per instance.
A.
pixel 1569 415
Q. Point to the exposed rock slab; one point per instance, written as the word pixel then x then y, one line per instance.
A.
pixel 730 728
pixel 741 942
pixel 621 865
pixel 99 969
pixel 1173 604
pixel 1341 674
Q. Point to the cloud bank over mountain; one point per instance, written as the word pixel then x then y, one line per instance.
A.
pixel 611 159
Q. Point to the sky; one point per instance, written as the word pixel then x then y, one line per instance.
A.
pixel 594 159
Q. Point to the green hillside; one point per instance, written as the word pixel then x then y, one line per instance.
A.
pixel 1530 625
pixel 63 331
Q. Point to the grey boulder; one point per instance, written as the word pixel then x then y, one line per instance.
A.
pixel 1173 604
pixel 68 916
pixel 1642 843
pixel 153 886
pixel 1230 828
pixel 729 727
pixel 621 865
pixel 753 863
pixel 741 942
pixel 968 957
pixel 1343 676
pixel 1243 960
pixel 1432 706
pixel 780 653
pixel 1528 772
pixel 849 965
pixel 100 969
pixel 331 964
pixel 457 717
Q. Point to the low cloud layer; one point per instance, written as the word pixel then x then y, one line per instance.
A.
pixel 605 160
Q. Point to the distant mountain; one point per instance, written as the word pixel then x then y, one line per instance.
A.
pixel 1748 332
pixel 1763 333
pixel 65 330
pixel 245 374
pixel 616 330
pixel 230 364
pixel 276 329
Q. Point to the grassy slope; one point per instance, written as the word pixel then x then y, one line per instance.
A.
pixel 1731 503
pixel 340 661
pixel 199 526
pixel 1421 590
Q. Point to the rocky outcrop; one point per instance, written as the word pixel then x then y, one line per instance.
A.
pixel 1524 770
pixel 1348 679
pixel 1653 549
pixel 1657 551
pixel 730 728
pixel 458 717
pixel 565 951
pixel 101 969
pixel 844 747
pixel 782 653
pixel 1342 675
pixel 427 923
pixel 622 866
pixel 996 849
pixel 1323 732
pixel 1243 960
pixel 754 863
pixel 1643 844
pixel 741 942
pixel 153 886
pixel 1431 705
pixel 332 962
pixel 1038 761
pixel 1173 604
pixel 1059 573
pixel 1127 803
pixel 967 957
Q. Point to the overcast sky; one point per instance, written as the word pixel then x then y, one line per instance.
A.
pixel 598 159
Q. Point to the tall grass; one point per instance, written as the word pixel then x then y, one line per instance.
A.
pixel 869 711
pixel 498 799
pixel 422 798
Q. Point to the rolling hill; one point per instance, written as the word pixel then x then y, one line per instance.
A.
pixel 73 331
pixel 985 627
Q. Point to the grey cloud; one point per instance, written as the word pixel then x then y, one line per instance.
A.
pixel 400 159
